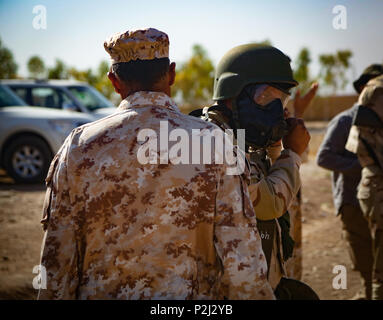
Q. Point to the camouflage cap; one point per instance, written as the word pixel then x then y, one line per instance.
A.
pixel 146 44
pixel 369 73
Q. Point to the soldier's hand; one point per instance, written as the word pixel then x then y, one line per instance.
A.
pixel 302 103
pixel 298 137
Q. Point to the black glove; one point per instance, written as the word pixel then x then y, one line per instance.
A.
pixel 287 242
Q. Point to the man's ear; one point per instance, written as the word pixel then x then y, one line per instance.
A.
pixel 116 84
pixel 172 73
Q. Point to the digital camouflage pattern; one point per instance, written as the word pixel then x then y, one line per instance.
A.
pixel 117 229
pixel 367 143
pixel 146 44
pixel 272 191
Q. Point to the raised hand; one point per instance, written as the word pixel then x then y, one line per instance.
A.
pixel 302 103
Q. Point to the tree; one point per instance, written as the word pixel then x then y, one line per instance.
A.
pixel 194 79
pixel 103 83
pixel 302 72
pixel 8 66
pixel 86 75
pixel 36 66
pixel 98 79
pixel 333 69
pixel 59 71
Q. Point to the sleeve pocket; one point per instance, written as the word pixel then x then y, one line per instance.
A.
pixel 48 195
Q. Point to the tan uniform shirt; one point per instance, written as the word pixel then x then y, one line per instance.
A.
pixel 117 229
pixel 272 194
pixel 293 265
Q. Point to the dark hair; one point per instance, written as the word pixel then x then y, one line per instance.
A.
pixel 145 73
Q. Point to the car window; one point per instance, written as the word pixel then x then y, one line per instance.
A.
pixel 8 98
pixel 22 93
pixel 49 98
pixel 90 97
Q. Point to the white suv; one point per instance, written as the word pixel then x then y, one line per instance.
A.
pixel 62 94
pixel 31 135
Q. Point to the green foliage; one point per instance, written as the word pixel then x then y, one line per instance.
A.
pixel 86 75
pixel 194 79
pixel 8 66
pixel 59 71
pixel 301 72
pixel 103 69
pixel 103 83
pixel 333 69
pixel 98 79
pixel 36 67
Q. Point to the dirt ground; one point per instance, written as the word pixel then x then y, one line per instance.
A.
pixel 323 247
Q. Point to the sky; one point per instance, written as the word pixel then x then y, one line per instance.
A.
pixel 76 30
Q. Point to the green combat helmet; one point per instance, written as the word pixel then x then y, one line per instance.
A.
pixel 249 64
pixel 253 64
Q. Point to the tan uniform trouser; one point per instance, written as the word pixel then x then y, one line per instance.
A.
pixel 370 195
pixel 294 264
pixel 357 235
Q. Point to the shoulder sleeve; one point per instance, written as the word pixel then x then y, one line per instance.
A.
pixel 238 243
pixel 59 249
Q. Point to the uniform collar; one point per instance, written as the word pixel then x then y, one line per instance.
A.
pixel 148 98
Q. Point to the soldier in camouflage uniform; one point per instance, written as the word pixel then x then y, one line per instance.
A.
pixel 366 140
pixel 272 187
pixel 120 229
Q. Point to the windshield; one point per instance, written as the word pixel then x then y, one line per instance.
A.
pixel 8 98
pixel 90 97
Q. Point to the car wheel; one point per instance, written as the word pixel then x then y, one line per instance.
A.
pixel 27 159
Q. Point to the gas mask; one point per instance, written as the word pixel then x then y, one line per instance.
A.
pixel 260 111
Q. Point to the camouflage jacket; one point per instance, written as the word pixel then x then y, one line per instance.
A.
pixel 118 229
